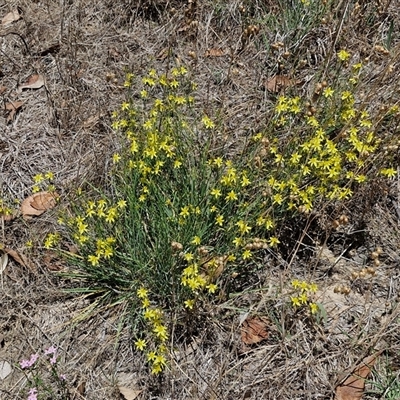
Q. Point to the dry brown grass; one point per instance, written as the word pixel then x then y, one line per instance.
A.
pixel 65 128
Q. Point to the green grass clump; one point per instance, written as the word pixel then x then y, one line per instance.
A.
pixel 180 215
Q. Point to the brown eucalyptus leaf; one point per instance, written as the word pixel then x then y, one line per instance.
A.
pixel 44 200
pixel 254 330
pixel 5 369
pixel 81 388
pixel 38 203
pixel 353 387
pixel 128 393
pixel 217 52
pixel 20 258
pixel 278 83
pixel 54 48
pixel 11 17
pixel 52 261
pixel 8 217
pixel 33 82
pixel 3 262
pixel 13 107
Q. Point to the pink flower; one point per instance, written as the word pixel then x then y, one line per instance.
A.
pixel 24 364
pixel 53 359
pixel 50 350
pixel 32 394
pixel 30 362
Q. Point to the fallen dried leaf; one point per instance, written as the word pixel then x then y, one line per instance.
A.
pixel 214 53
pixel 164 53
pixel 2 89
pixel 55 48
pixel 278 83
pixel 33 82
pixel 92 121
pixel 81 388
pixel 52 261
pixel 12 107
pixel 11 17
pixel 129 394
pixel 38 203
pixel 8 217
pixel 353 387
pixel 3 262
pixel 20 258
pixel 254 330
pixel 5 369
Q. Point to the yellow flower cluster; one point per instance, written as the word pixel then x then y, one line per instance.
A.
pixel 195 279
pixel 104 249
pixel 154 317
pixel 4 209
pixel 151 149
pixel 52 239
pixel 304 292
pixel 43 182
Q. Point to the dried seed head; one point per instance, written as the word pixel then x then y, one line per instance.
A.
pixel 343 219
pixel 379 250
pixel 337 289
pixel 335 224
pixel 381 49
pixel 265 142
pixel 374 255
pixel 354 275
pixel 302 63
pixel 302 209
pixel 110 76
pixel 176 246
pixel 263 153
pixel 371 271
pixel 377 263
pixel 346 290
pixel 275 46
pixel 203 251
